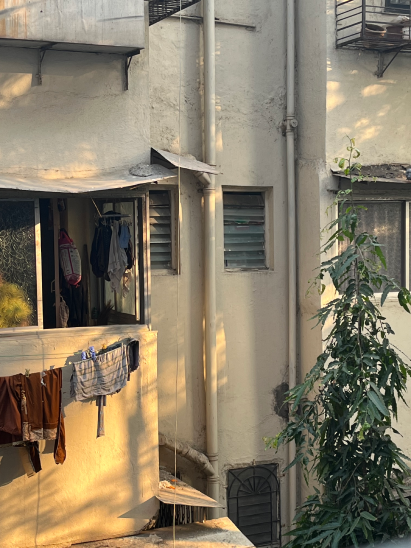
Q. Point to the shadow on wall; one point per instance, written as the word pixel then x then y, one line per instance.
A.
pixel 70 122
pixel 103 482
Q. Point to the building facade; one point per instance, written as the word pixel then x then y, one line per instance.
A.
pixel 91 111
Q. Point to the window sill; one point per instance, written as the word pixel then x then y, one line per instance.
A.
pixel 262 270
pixel 164 272
pixel 96 330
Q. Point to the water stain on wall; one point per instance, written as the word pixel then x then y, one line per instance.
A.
pixel 279 406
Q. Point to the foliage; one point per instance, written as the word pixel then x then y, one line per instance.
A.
pixel 341 415
pixel 15 310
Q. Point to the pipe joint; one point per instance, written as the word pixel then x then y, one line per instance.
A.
pixel 213 479
pixel 291 123
pixel 212 457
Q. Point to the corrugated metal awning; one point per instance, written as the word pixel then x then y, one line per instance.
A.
pixel 99 183
pixel 185 496
pixel 175 491
pixel 183 162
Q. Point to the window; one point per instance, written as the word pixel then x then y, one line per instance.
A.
pixel 20 293
pixel 253 496
pixel 58 267
pixel 388 221
pixel 244 230
pixel 397 6
pixel 162 230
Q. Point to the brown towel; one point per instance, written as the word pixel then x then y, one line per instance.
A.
pixel 30 410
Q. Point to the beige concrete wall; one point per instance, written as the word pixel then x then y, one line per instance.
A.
pixel 80 121
pixel 252 306
pixel 107 486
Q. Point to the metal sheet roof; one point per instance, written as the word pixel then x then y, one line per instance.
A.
pixel 110 181
pixel 183 162
pixel 175 491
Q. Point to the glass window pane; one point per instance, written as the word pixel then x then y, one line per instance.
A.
pixel 18 285
pixel 384 220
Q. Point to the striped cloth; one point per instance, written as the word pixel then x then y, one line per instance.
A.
pixel 103 376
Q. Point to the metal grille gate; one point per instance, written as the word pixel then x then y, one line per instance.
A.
pixel 253 497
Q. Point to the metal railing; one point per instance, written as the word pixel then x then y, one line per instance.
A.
pixel 370 24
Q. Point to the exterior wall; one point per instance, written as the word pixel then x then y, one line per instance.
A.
pixel 252 306
pixel 80 121
pixel 374 111
pixel 107 486
pixel 311 173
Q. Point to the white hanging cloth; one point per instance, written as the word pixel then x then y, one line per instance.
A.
pixel 117 261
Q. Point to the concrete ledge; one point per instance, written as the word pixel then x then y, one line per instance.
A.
pixel 217 533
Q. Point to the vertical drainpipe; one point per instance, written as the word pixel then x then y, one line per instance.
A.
pixel 291 124
pixel 210 263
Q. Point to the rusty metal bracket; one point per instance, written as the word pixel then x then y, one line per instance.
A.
pixel 40 56
pixel 127 63
pixel 41 52
pixel 381 68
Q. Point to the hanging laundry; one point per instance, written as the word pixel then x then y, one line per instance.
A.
pixel 117 263
pixel 30 411
pixel 102 376
pixel 130 255
pixel 100 250
pixel 133 356
pixel 124 237
pixel 75 297
pixel 101 402
pixel 70 261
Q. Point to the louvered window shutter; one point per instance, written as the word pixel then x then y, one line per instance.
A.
pixel 244 230
pixel 160 230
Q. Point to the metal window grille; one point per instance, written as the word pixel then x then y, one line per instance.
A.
pixel 161 9
pixel 244 230
pixel 253 496
pixel 160 230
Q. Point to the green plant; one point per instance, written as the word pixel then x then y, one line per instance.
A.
pixel 341 415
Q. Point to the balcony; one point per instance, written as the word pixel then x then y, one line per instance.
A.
pixel 373 25
pixel 161 9
pixel 92 26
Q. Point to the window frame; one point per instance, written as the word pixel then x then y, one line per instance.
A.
pixel 265 192
pixel 405 221
pixel 174 229
pixel 142 260
pixel 396 9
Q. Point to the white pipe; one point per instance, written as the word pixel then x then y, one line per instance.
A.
pixel 209 267
pixel 199 459
pixel 292 243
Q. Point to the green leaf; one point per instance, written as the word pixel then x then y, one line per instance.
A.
pixel 368 516
pixel 380 256
pixel 385 293
pixel 378 403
